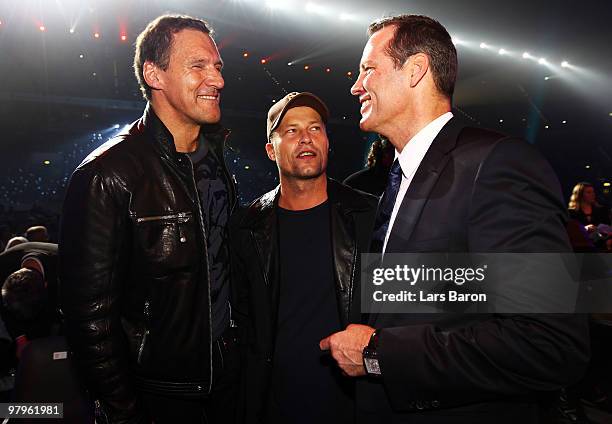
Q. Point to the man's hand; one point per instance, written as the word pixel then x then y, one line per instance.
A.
pixel 347 348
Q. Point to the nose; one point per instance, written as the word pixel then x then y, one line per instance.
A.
pixel 216 80
pixel 305 137
pixel 357 88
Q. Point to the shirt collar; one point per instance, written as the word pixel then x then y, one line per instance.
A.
pixel 414 151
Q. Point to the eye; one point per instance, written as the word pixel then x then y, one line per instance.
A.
pixel 315 128
pixel 219 68
pixel 197 66
pixel 290 131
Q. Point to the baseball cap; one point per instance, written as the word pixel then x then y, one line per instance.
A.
pixel 277 111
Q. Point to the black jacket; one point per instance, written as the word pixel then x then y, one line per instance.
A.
pixel 476 191
pixel 134 269
pixel 256 273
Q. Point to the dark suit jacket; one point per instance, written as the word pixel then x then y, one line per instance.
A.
pixel 256 278
pixel 475 191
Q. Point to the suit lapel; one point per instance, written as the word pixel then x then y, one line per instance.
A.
pixel 416 196
pixel 421 185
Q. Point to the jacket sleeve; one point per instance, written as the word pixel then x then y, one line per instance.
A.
pixel 516 206
pixel 93 259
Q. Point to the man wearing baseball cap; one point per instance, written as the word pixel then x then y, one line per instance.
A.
pixel 296 272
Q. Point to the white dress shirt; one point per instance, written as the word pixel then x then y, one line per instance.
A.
pixel 410 159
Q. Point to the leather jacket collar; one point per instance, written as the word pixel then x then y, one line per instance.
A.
pixel 261 220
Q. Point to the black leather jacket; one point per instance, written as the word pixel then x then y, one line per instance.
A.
pixel 134 270
pixel 256 278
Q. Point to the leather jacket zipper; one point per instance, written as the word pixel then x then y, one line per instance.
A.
pixel 181 218
pixel 147 315
pixel 203 228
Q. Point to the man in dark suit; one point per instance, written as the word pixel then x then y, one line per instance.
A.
pixel 453 188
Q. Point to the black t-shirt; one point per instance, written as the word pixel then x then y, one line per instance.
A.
pixel 307 386
pixel 213 193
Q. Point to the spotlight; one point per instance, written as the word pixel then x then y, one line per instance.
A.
pixel 483 45
pixel 116 126
pixel 306 67
pixel 587 167
pixel 606 184
pixel 123 37
pixel 81 56
pixel 526 55
pixel 349 73
pixel 42 28
pixel 565 64
pixel 96 35
pixel 542 61
pixel 328 70
pixel 47 162
pixel 546 126
pixel 71 30
pixel 276 4
pixel 456 41
pixel 289 63
pixel 564 122
pixel 263 61
pixel 501 121
pixel 546 78
pixel 502 52
pixel 314 8
pixel 245 54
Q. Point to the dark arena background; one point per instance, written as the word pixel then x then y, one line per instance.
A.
pixel 540 70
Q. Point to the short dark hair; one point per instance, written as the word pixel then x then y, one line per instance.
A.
pixel 155 42
pixel 421 34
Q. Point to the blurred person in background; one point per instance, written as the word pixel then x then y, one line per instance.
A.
pixel 373 179
pixel 584 208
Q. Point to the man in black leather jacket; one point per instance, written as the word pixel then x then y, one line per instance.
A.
pixel 296 273
pixel 144 264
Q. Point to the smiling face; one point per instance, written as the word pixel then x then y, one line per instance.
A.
pixel 299 144
pixel 383 91
pixel 192 83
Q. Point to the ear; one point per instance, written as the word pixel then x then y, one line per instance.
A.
pixel 152 75
pixel 418 65
pixel 270 151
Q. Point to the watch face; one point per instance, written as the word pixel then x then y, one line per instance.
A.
pixel 372 366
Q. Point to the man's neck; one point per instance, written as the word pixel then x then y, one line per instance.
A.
pixel 297 195
pixel 405 128
pixel 186 134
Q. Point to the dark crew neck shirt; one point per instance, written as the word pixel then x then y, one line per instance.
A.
pixel 306 384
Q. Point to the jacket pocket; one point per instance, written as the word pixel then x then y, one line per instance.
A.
pixel 165 243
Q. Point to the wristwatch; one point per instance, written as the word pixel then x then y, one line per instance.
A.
pixel 370 356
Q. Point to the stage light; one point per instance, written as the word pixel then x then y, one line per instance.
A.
pixel 96 35
pixel 71 31
pixel 456 41
pixel 116 126
pixel 483 45
pixel 277 4
pixel 247 167
pixel 42 28
pixel 81 56
pixel 526 55
pixel 587 167
pixel 542 61
pixel 123 37
pixel 47 162
pixel 245 54
pixel 546 126
pixel 546 78
pixel 263 61
pixel 564 122
pixel 606 184
pixel 315 8
pixel 502 52
pixel 306 67
pixel 610 114
pixel 349 73
pixel 565 64
pixel 289 63
pixel 501 121
pixel 0 22
pixel 328 70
